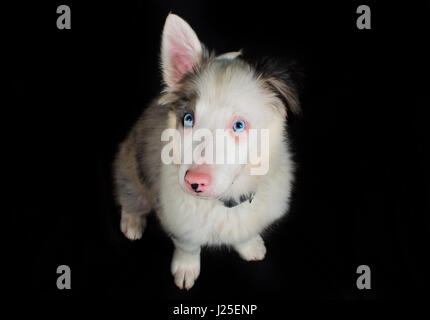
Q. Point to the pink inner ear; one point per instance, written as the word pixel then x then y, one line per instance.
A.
pixel 182 63
pixel 182 56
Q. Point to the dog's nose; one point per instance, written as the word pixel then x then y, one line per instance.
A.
pixel 197 181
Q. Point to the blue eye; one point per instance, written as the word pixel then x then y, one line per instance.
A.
pixel 239 126
pixel 188 120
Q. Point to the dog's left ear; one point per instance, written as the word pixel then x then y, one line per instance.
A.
pixel 287 94
pixel 181 50
pixel 282 80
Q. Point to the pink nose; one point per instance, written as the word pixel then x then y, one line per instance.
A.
pixel 197 181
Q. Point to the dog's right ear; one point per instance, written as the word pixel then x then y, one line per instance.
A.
pixel 181 50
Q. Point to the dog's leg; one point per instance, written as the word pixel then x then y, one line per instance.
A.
pixel 251 250
pixel 185 265
pixel 132 225
pixel 135 204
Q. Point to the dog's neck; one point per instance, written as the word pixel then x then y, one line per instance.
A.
pixel 242 189
pixel 232 202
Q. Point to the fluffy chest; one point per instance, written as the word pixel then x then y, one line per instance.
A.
pixel 209 221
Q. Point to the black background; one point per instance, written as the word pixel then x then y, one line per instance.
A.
pixel 362 191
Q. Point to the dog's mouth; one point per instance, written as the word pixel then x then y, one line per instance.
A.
pixel 198 193
pixel 202 195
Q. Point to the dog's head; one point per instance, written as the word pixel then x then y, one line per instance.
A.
pixel 212 98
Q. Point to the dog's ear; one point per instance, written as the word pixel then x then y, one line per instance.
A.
pixel 286 93
pixel 283 80
pixel 181 50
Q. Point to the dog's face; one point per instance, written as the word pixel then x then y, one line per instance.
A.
pixel 216 102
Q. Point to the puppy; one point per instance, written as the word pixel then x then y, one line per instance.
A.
pixel 201 202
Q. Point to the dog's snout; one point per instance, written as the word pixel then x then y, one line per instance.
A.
pixel 197 181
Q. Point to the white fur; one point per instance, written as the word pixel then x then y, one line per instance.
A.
pixel 199 222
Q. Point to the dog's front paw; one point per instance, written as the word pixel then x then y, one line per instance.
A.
pixel 252 250
pixel 185 268
pixel 132 226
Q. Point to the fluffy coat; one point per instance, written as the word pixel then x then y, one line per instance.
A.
pixel 213 88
